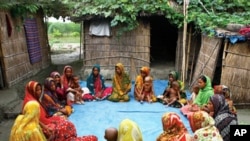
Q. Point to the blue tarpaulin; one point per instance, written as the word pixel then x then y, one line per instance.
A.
pixel 94 117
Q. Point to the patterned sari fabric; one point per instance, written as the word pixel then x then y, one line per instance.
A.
pixel 129 131
pixel 173 128
pixel 26 126
pixel 204 94
pixel 64 130
pixel 60 90
pixel 52 103
pixel 203 127
pixel 140 81
pixel 96 85
pixel 121 86
pixel 223 116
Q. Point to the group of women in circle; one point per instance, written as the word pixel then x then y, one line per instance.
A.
pixel 47 106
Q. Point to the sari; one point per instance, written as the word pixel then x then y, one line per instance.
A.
pixel 54 105
pixel 203 126
pixel 96 85
pixel 173 128
pixel 63 129
pixel 129 131
pixel 204 94
pixel 121 85
pixel 223 116
pixel 60 90
pixel 26 126
pixel 139 81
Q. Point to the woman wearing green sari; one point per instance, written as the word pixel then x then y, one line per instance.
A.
pixel 121 85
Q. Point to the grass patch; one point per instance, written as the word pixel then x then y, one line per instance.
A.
pixel 63 39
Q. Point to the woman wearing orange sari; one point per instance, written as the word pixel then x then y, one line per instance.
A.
pixel 55 128
pixel 121 85
pixel 144 72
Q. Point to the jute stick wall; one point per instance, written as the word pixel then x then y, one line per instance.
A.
pixel 15 63
pixel 236 72
pixel 108 51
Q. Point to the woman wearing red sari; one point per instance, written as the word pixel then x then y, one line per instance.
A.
pixel 54 127
pixel 96 84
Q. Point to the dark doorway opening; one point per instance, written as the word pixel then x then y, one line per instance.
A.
pixel 163 41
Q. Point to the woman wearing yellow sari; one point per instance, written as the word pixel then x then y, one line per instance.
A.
pixel 121 85
pixel 26 126
pixel 129 131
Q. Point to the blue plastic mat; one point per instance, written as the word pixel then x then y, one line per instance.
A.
pixel 94 117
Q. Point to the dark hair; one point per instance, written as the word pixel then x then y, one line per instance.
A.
pixel 203 78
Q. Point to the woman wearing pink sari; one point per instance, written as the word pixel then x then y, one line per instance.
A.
pixel 55 128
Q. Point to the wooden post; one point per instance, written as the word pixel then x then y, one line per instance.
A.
pixel 185 6
pixel 188 50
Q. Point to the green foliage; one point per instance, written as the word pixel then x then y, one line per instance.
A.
pixel 75 34
pixel 56 33
pixel 64 28
pixel 126 12
pixel 210 14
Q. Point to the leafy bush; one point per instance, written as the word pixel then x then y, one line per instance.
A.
pixel 75 34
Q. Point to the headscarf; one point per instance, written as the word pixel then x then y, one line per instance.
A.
pixel 222 115
pixel 129 131
pixel 95 82
pixel 65 81
pixel 203 126
pixel 204 93
pixel 139 79
pixel 121 83
pixel 30 94
pixel 26 126
pixel 54 74
pixel 173 128
pixel 175 75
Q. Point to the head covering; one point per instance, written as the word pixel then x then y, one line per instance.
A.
pixel 47 83
pixel 121 67
pixel 173 128
pixel 205 93
pixel 95 83
pixel 203 127
pixel 129 131
pixel 66 81
pixel 28 121
pixel 96 66
pixel 54 74
pixel 222 115
pixel 175 74
pixel 146 70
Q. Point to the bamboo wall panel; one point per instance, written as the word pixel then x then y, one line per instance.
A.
pixel 13 49
pixel 108 51
pixel 236 72
pixel 207 58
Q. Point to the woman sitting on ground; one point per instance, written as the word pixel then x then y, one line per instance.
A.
pixel 218 108
pixel 54 127
pixel 139 81
pixel 26 126
pixel 173 128
pixel 51 102
pixel 121 85
pixel 96 84
pixel 203 126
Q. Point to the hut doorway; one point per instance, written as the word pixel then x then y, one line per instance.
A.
pixel 163 42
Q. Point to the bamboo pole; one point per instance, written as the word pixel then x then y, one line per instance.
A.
pixel 81 30
pixel 185 6
pixel 188 50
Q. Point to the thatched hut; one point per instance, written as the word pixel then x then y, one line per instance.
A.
pixel 226 63
pixel 24 48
